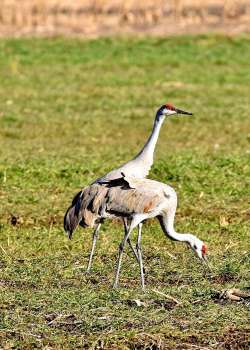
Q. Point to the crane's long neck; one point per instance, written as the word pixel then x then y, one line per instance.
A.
pixel 147 152
pixel 168 229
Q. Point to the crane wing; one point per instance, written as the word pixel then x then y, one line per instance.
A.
pixel 124 182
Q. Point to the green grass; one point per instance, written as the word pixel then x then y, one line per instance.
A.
pixel 72 110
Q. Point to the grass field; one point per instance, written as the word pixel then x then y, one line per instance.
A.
pixel 72 110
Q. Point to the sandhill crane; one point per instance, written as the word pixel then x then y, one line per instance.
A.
pixel 139 166
pixel 135 199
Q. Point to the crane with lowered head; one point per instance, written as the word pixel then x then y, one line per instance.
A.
pixel 136 200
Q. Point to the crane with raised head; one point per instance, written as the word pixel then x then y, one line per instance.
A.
pixel 136 200
pixel 139 166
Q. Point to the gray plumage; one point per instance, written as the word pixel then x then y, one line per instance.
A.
pixel 135 199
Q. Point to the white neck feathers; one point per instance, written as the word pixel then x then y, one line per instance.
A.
pixel 146 155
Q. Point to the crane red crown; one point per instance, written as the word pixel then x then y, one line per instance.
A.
pixel 170 106
pixel 204 249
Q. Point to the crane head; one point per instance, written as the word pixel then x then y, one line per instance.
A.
pixel 199 247
pixel 168 109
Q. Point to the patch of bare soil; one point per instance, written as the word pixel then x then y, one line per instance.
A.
pixel 231 339
pixel 20 285
pixel 68 323
pixel 234 339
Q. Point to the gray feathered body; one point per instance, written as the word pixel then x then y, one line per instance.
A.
pixel 123 197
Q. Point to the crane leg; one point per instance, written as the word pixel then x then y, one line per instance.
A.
pixel 135 221
pixel 95 236
pixel 121 249
pixel 125 223
pixel 133 249
pixel 138 248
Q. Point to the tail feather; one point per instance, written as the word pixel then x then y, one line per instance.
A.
pixel 72 216
pixel 85 208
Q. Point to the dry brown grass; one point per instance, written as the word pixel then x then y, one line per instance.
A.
pixel 103 17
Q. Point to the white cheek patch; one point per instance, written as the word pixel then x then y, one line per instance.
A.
pixel 170 112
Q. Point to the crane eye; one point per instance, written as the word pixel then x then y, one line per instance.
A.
pixel 195 246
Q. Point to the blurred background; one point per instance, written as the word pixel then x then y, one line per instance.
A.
pixel 111 17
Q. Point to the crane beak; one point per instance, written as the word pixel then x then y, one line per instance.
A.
pixel 206 262
pixel 204 259
pixel 180 111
